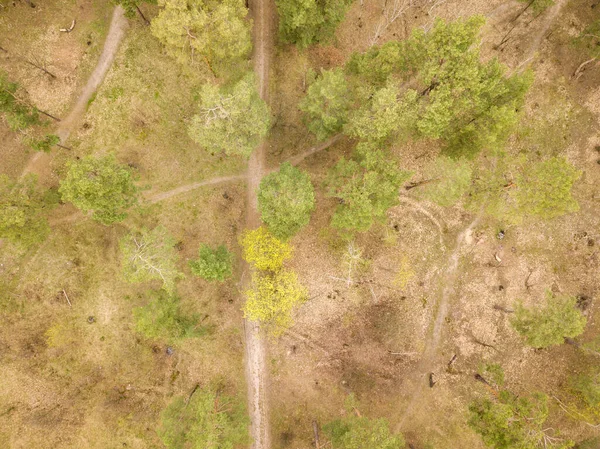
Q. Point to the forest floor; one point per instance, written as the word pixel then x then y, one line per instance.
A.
pixel 118 25
pixel 420 294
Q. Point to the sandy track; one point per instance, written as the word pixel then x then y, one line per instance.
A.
pixel 157 197
pixel 255 345
pixel 115 35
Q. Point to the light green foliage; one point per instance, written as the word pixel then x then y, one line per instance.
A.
pixel 359 432
pixel 544 189
pixel 449 180
pixel 212 32
pixel 209 420
pixel 150 255
pixel 469 104
pixel 378 63
pixel 306 22
pixel 549 324
pixel 366 188
pixel 265 251
pixel 586 388
pixel 513 422
pixel 388 112
pixel 18 115
pixel 493 373
pixel 538 6
pixel 212 265
pixel 449 95
pixel 272 298
pixel 231 120
pixel 44 144
pixel 99 185
pixel 590 39
pixel 162 319
pixel 286 199
pixel 22 207
pixel 326 104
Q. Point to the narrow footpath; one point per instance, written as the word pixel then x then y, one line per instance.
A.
pixel 255 344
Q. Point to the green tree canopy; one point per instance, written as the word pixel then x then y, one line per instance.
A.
pixel 162 319
pixel 286 199
pixel 306 22
pixel 513 422
pixel 544 189
pixel 366 188
pixel 207 420
pixel 360 432
pixel 549 324
pixel 432 85
pixel 231 120
pixel 272 298
pixel 212 265
pixel 99 185
pixel 150 255
pixel 22 211
pixel 326 104
pixel 211 32
pixel 384 115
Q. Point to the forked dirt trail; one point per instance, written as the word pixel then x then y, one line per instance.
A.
pixel 432 344
pixel 116 32
pixel 452 271
pixel 255 345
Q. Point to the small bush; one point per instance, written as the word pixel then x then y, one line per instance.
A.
pixel 212 265
pixel 549 324
pixel 206 420
pixel 162 319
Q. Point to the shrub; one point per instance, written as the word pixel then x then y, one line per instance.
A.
pixel 544 190
pixel 207 420
pixel 360 432
pixel 162 319
pixel 549 324
pixel 514 422
pixel 22 207
pixel 212 265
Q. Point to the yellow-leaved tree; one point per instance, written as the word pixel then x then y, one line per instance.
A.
pixel 275 291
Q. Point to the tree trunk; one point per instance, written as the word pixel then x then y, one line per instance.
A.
pixel 40 68
pixel 316 434
pixel 47 115
pixel 142 14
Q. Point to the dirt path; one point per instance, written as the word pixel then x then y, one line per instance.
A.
pixel 115 35
pixel 433 342
pixel 157 197
pixel 255 345
pixel 548 19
